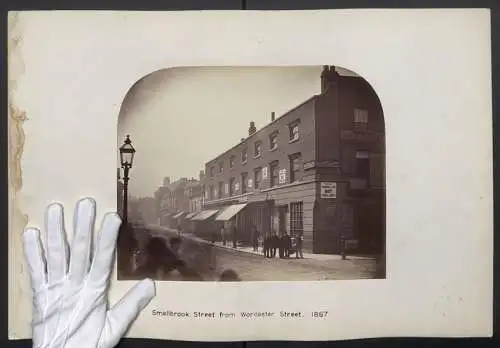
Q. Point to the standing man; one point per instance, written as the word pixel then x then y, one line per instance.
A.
pixel 255 238
pixel 223 235
pixel 281 245
pixel 214 234
pixel 287 245
pixel 275 241
pixel 234 234
pixel 299 240
pixel 265 246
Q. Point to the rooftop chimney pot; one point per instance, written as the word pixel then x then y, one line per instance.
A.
pixel 328 78
pixel 252 129
pixel 273 116
pixel 166 181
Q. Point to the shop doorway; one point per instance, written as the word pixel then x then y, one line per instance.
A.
pixel 282 219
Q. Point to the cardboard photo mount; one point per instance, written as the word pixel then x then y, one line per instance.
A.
pixel 69 73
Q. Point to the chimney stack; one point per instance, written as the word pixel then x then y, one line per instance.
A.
pixel 252 129
pixel 273 116
pixel 242 139
pixel 166 181
pixel 328 78
pixel 202 175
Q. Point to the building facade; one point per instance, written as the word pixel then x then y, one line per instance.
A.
pixel 174 200
pixel 317 171
pixel 194 193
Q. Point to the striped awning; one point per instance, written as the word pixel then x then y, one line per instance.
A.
pixel 178 215
pixel 230 211
pixel 190 215
pixel 204 214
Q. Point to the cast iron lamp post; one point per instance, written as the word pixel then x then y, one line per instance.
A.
pixel 127 153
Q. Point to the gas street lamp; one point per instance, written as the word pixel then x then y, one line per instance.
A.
pixel 127 153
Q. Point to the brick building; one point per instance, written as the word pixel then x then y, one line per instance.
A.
pixel 194 192
pixel 175 200
pixel 318 170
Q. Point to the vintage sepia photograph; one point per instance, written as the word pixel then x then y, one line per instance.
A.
pixel 295 162
pixel 223 177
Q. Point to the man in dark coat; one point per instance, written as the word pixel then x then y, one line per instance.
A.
pixel 287 245
pixel 255 238
pixel 275 241
pixel 281 246
pixel 299 240
pixel 266 246
pixel 213 234
pixel 234 232
pixel 223 235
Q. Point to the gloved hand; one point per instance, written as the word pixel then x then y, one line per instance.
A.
pixel 70 307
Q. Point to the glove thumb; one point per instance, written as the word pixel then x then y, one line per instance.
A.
pixel 122 314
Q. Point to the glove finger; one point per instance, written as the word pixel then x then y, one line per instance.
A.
pixel 34 256
pixel 105 250
pixel 57 248
pixel 123 313
pixel 82 240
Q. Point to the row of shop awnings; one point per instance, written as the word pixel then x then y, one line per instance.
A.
pixel 224 214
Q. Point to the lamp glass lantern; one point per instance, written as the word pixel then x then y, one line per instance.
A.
pixel 127 153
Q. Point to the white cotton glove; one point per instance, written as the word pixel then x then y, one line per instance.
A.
pixel 70 307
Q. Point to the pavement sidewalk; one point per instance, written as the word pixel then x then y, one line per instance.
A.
pixel 321 257
pixel 249 250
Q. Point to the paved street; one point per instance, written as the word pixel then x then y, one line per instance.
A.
pixel 254 267
pixel 212 260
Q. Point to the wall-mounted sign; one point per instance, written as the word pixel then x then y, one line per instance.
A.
pixel 250 183
pixel 264 173
pixel 237 186
pixel 356 136
pixel 328 190
pixel 309 165
pixel 226 187
pixel 282 176
pixel 327 164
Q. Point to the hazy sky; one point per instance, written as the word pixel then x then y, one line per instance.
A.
pixel 180 118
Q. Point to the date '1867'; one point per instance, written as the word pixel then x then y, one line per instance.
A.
pixel 319 314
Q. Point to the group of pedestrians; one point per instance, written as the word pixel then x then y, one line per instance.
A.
pixel 226 235
pixel 283 245
pixel 271 244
